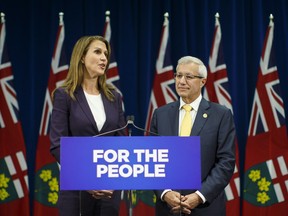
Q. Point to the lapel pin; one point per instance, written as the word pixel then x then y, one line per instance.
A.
pixel 205 115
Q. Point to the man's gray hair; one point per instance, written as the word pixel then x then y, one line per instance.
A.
pixel 190 59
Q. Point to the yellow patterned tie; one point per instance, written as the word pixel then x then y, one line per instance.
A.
pixel 186 124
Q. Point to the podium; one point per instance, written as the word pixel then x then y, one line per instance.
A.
pixel 130 163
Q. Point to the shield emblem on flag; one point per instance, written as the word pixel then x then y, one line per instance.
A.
pixel 262 186
pixel 7 188
pixel 47 182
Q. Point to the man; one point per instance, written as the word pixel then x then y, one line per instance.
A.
pixel 215 126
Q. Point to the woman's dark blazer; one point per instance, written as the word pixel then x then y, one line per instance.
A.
pixel 74 117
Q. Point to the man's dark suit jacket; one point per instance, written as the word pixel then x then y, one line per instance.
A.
pixel 215 126
pixel 74 118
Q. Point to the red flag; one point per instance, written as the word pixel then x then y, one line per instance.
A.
pixel 266 175
pixel 163 91
pixel 14 194
pixel 217 90
pixel 47 171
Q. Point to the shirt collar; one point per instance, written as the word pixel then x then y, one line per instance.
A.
pixel 195 104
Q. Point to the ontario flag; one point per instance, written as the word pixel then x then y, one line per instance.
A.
pixel 217 90
pixel 266 175
pixel 47 170
pixel 14 192
pixel 113 77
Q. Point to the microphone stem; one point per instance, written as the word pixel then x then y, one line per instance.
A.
pixel 130 120
pixel 130 192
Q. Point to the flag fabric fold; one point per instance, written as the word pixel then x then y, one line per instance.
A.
pixel 46 168
pixel 14 191
pixel 217 90
pixel 266 176
pixel 163 91
pixel 113 77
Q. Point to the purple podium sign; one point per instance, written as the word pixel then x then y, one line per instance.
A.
pixel 130 163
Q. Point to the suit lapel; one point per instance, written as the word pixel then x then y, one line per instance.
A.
pixel 80 97
pixel 174 113
pixel 201 117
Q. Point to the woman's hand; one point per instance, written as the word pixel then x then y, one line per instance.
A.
pixel 101 194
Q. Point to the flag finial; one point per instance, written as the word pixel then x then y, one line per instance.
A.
pixel 271 20
pixel 217 16
pixel 107 13
pixel 166 15
pixel 2 17
pixel 61 14
pixel 271 17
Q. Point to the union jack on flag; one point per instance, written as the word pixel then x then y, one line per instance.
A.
pixel 113 77
pixel 7 89
pixel 163 91
pixel 58 72
pixel 217 90
pixel 268 107
pixel 47 172
pixel 217 85
pixel 9 94
pixel 14 192
pixel 266 175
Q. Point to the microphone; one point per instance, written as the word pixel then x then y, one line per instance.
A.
pixel 131 121
pixel 115 130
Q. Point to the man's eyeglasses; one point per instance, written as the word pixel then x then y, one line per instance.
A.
pixel 179 76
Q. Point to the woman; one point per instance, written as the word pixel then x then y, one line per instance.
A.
pixel 85 105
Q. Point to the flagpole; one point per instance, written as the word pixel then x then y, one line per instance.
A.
pixel 130 192
pixel 166 16
pixel 110 79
